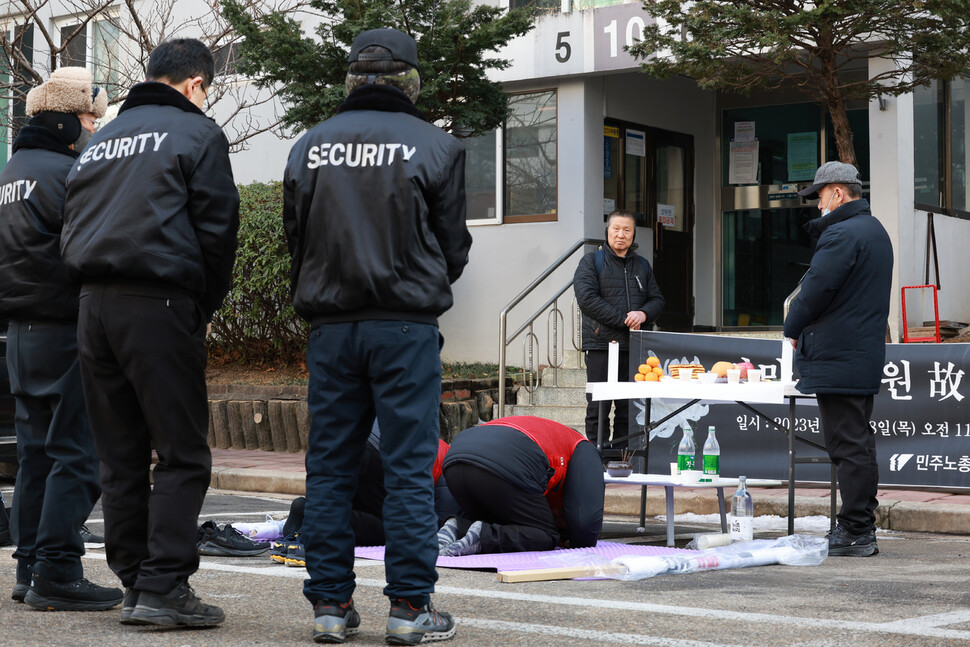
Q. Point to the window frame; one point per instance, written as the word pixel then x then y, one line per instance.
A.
pixel 498 187
pixel 110 16
pixel 947 208
pixel 530 218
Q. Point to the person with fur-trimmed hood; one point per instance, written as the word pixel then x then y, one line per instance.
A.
pixel 57 483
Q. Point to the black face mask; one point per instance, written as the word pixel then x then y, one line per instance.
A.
pixel 82 140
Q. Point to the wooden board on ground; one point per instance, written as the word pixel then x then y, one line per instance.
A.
pixel 560 573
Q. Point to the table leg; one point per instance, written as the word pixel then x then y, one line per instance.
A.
pixel 791 466
pixel 643 506
pixel 669 495
pixel 720 505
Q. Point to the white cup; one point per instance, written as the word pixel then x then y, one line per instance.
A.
pixel 685 374
pixel 754 375
pixel 691 476
pixel 674 470
pixel 734 375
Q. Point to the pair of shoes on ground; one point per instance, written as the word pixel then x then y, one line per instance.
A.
pixel 227 542
pixel 178 607
pixel 289 550
pixel 843 543
pixel 406 624
pixel 77 595
pixel 450 546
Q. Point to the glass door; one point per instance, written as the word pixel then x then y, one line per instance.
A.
pixel 673 224
pixel 650 172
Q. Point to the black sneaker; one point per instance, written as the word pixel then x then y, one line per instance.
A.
pixel 79 595
pixel 842 543
pixel 333 623
pixel 228 542
pixel 90 539
pixel 180 606
pixel 410 625
pixel 23 581
pixel 131 601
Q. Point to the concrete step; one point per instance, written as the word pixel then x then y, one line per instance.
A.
pixel 563 377
pixel 569 416
pixel 562 396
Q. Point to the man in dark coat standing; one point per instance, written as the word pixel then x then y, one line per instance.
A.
pixel 150 228
pixel 617 293
pixel 374 210
pixel 837 325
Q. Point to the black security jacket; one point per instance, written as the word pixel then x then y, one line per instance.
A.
pixel 374 209
pixel 622 286
pixel 151 200
pixel 33 280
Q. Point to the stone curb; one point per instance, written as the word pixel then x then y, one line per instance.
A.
pixel 890 515
pixel 257 480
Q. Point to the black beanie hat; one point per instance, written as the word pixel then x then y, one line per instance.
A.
pixel 66 126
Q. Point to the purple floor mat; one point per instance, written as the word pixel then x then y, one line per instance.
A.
pixel 531 560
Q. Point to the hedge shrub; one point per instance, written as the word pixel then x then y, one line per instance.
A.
pixel 257 323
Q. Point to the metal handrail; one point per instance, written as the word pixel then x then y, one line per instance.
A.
pixel 503 317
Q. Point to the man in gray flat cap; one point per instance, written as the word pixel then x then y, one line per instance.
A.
pixel 837 324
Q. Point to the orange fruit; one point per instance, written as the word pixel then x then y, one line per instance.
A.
pixel 653 361
pixel 658 371
pixel 651 377
pixel 639 377
pixel 644 369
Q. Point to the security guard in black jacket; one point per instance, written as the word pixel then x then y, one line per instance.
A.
pixel 57 482
pixel 374 210
pixel 150 228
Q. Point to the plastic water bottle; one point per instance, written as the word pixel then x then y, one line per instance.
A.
pixel 742 513
pixel 712 457
pixel 685 452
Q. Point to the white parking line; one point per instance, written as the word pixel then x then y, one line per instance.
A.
pixel 261 514
pixel 568 632
pixel 919 626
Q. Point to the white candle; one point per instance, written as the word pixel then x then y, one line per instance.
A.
pixel 613 361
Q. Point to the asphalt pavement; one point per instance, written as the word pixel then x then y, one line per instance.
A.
pixel 912 594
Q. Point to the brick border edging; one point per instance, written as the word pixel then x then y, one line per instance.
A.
pixel 277 418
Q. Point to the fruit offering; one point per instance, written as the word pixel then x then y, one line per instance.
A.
pixel 744 366
pixel 649 371
pixel 721 368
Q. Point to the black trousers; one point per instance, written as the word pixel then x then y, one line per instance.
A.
pixel 851 444
pixel 143 364
pixel 513 520
pixel 57 483
pixel 596 371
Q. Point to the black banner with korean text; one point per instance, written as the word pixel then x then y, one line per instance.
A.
pixel 921 416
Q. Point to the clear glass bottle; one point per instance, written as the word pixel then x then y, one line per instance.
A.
pixel 742 513
pixel 712 457
pixel 686 451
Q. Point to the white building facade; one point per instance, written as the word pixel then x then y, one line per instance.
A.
pixel 711 179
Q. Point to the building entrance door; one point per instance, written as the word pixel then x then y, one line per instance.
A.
pixel 650 172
